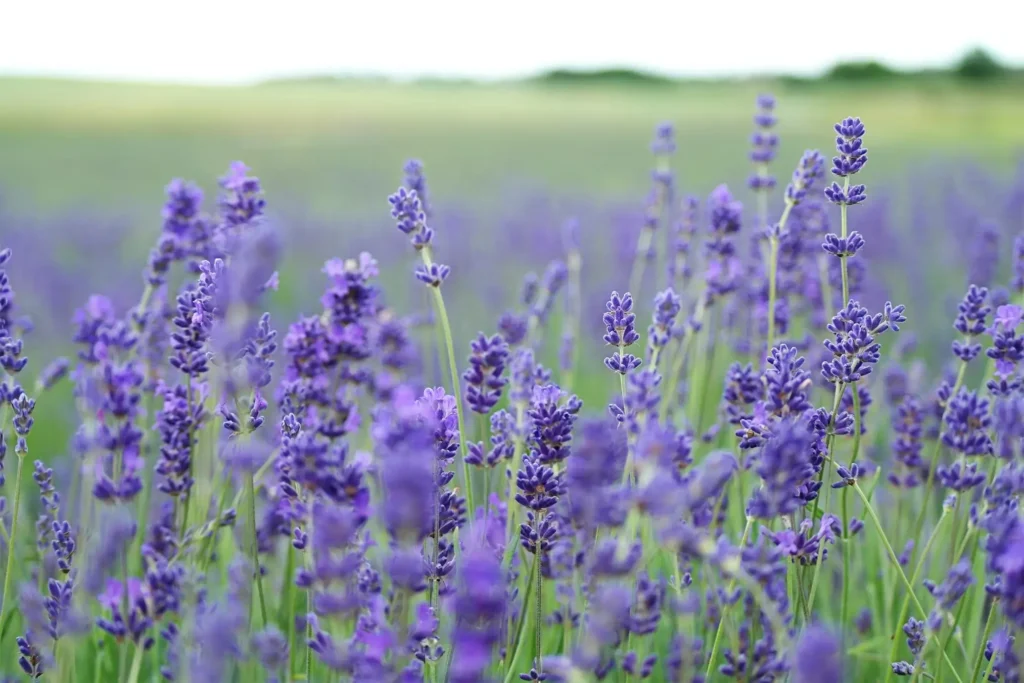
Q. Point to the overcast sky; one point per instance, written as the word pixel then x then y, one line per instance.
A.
pixel 231 41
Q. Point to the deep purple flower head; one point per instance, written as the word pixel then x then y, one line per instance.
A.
pixel 852 155
pixel 854 347
pixel 967 420
pixel 410 217
pixel 620 326
pixel 484 380
pixel 742 389
pixel 552 414
pixel 970 322
pixel 786 383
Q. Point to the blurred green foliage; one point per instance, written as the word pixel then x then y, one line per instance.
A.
pixel 338 146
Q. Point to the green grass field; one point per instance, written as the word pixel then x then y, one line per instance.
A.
pixel 339 147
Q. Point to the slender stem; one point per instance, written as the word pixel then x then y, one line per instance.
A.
pixel 453 367
pixel 254 550
pixel 133 675
pixel 826 286
pixel 725 608
pixel 191 462
pixel 936 451
pixel 845 603
pixel 538 617
pixel 680 359
pixel 573 314
pixel 842 260
pixel 12 545
pixel 989 622
pixel 773 267
pixel 914 576
pixel 287 610
pixel 514 650
pixel 895 559
pixel 512 513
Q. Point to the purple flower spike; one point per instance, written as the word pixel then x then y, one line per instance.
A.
pixel 850 145
pixel 807 172
pixel 484 381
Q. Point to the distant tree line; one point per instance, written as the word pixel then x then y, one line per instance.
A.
pixel 977 66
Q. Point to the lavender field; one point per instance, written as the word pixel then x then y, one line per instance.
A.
pixel 452 383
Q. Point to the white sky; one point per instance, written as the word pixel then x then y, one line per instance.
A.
pixel 231 41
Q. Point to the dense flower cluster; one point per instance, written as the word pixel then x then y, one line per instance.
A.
pixel 352 500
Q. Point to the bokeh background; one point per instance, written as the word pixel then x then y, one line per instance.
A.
pixel 524 119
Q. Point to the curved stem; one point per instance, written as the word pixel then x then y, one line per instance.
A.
pixel 976 669
pixel 453 367
pixel 12 546
pixel 936 451
pixel 842 227
pixel 844 605
pixel 133 675
pixel 725 608
pixel 896 562
pixel 254 550
pixel 773 267
pixel 915 575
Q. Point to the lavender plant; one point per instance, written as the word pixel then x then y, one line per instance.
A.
pixel 239 503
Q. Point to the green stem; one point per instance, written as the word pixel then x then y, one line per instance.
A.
pixel 842 260
pixel 573 314
pixel 936 451
pixel 989 622
pixel 9 574
pixel 287 616
pixel 844 605
pixel 515 647
pixel 895 559
pixel 680 359
pixel 133 675
pixel 915 575
pixel 254 551
pixel 453 367
pixel 725 608
pixel 773 267
pixel 538 617
pixel 191 463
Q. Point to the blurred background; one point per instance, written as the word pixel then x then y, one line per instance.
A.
pixel 525 116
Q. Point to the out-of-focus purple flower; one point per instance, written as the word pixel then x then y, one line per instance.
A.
pixel 241 199
pixel 784 464
pixel 764 143
pixel 808 171
pixel 817 658
pixel 984 256
pixel 1017 283
pixel 667 305
pixel 11 347
pixel 416 181
pixel 479 605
